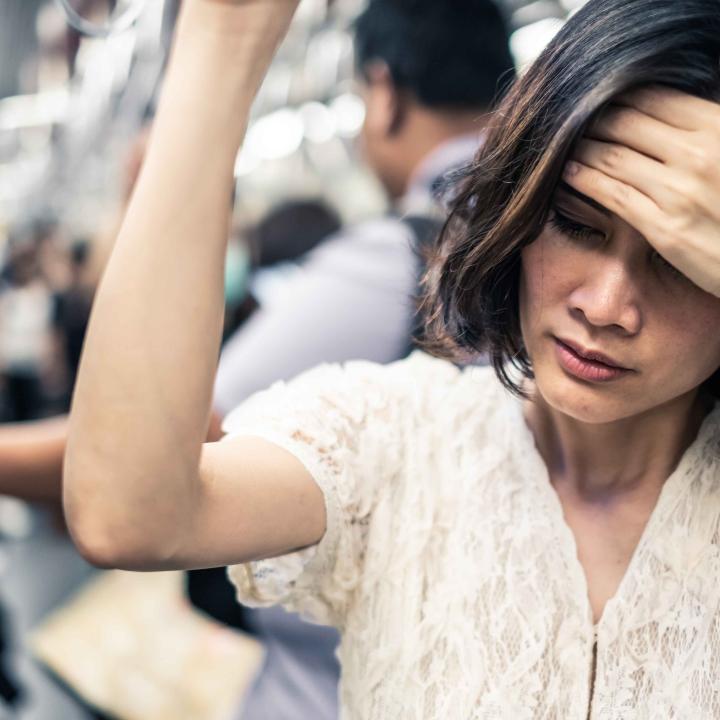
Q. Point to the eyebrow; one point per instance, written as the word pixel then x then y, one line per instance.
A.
pixel 584 198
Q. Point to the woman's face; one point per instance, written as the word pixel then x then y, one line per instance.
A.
pixel 592 284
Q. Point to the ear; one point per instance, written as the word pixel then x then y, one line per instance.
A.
pixel 385 104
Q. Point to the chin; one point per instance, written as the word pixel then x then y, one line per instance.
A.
pixel 584 402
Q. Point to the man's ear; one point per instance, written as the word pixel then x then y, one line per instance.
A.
pixel 385 103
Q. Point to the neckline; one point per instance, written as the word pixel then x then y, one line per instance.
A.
pixel 536 470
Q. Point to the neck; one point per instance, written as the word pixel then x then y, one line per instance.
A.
pixel 630 457
pixel 427 130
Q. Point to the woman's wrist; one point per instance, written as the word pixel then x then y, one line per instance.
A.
pixel 220 56
pixel 241 36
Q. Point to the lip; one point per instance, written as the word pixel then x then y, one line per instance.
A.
pixel 585 364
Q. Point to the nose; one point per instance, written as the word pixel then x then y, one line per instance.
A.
pixel 608 297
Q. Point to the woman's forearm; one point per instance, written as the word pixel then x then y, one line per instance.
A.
pixel 142 400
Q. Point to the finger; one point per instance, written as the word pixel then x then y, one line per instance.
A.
pixel 672 107
pixel 625 201
pixel 630 127
pixel 628 166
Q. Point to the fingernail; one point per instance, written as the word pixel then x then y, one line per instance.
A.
pixel 572 168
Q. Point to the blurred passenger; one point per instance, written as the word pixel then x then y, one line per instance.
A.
pixel 31 453
pixel 48 237
pixel 264 256
pixel 25 318
pixel 429 73
pixel 72 312
pixel 290 231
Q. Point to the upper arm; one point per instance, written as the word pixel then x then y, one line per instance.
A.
pixel 255 500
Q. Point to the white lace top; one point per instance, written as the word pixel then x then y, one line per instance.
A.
pixel 451 574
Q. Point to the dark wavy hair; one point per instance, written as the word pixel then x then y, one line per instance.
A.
pixel 470 295
pixel 450 54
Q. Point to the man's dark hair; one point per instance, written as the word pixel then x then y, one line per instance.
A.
pixel 607 48
pixel 450 54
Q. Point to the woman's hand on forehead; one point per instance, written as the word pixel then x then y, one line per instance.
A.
pixel 653 159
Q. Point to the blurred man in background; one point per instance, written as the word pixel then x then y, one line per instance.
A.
pixel 263 256
pixel 429 72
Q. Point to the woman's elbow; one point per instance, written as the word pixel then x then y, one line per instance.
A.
pixel 96 549
pixel 113 545
pixel 112 528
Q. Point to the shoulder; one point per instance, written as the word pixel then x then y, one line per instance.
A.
pixel 356 385
pixel 378 231
pixel 362 379
pixel 469 397
pixel 420 380
pixel 360 246
pixel 418 391
pixel 421 388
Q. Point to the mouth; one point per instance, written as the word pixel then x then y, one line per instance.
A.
pixel 585 364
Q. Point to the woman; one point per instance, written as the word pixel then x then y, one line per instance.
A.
pixel 551 553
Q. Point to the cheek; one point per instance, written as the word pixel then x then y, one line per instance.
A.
pixel 689 336
pixel 548 277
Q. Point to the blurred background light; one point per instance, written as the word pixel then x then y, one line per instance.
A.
pixel 319 122
pixel 528 42
pixel 349 111
pixel 85 97
pixel 276 135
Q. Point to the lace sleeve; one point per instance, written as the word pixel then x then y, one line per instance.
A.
pixel 342 423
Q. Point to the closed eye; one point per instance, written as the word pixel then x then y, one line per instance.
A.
pixel 572 228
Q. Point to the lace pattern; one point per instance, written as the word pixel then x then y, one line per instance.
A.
pixel 448 567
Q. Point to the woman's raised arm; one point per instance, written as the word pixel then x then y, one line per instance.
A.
pixel 139 490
